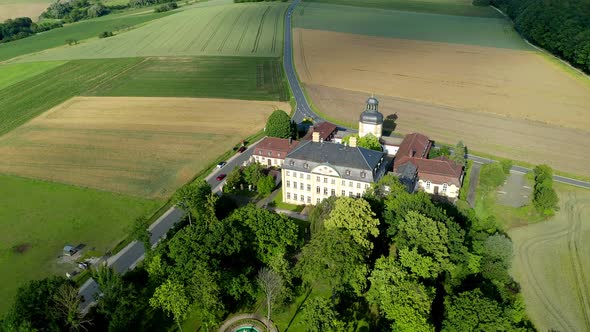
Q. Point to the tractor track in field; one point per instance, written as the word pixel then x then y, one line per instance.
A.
pixel 208 24
pixel 222 45
pixel 274 35
pixel 572 232
pixel 239 43
pixel 260 28
pixel 215 31
pixel 303 59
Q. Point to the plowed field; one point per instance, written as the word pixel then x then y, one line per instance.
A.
pixel 140 146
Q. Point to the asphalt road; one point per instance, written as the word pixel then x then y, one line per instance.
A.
pixel 236 160
pixel 304 110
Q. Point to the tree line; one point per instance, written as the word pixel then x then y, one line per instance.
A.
pixel 561 27
pixel 22 27
pixel 394 260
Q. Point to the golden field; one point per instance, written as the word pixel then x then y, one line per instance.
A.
pixel 140 146
pixel 13 10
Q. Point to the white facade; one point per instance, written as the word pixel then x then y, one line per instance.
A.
pixel 441 189
pixel 310 188
pixel 268 161
pixel 368 128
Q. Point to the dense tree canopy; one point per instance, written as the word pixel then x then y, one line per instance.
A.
pixel 544 196
pixel 369 141
pixel 279 125
pixel 354 216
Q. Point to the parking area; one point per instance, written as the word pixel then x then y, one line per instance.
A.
pixel 516 191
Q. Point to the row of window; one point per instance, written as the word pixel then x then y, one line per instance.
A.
pixel 302 199
pixel 444 186
pixel 303 185
pixel 269 153
pixel 347 172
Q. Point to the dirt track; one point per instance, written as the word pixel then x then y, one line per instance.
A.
pixel 140 146
pixel 552 264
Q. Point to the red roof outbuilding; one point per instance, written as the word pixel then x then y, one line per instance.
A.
pixel 274 147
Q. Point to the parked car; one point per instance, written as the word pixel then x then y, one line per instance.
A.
pixel 221 177
pixel 83 266
pixel 242 149
pixel 221 164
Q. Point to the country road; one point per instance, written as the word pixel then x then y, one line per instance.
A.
pixel 304 109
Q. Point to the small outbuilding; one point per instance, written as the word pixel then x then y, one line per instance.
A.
pixel 69 250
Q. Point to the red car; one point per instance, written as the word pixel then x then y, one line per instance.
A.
pixel 221 177
pixel 242 149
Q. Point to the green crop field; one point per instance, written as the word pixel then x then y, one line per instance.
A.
pixel 217 77
pixel 480 31
pixel 449 7
pixel 38 218
pixel 245 29
pixel 26 99
pixel 78 31
pixel 14 73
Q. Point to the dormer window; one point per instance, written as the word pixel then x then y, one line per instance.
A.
pixel 363 175
pixel 306 166
pixel 292 163
pixel 260 152
pixel 279 154
pixel 347 172
pixel 269 153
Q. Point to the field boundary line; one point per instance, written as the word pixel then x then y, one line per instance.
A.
pixel 538 48
pixel 260 28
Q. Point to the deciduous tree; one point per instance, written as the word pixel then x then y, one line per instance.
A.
pixel 354 216
pixel 319 315
pixel 272 285
pixel 140 232
pixel 279 125
pixel 172 299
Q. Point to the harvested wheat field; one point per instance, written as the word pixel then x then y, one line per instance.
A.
pixel 13 10
pixel 140 146
pixel 552 264
pixel 482 85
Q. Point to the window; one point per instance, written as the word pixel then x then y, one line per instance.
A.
pixel 308 177
pixel 343 192
pixel 306 166
pixel 288 195
pixel 301 186
pixel 318 200
pixel 350 183
pixel 288 184
pixel 333 192
pixel 295 185
pixel 269 153
pixel 317 189
pixel 260 152
pixel 343 182
pixel 302 198
pixel 308 199
pixel 444 187
pixel 292 163
pixel 363 174
pixel 318 179
pixel 428 184
pixel 301 175
pixel 358 195
pixel 325 180
pixel 358 185
pixel 350 194
pixel 347 172
pixel 366 186
pixel 333 181
pixel 279 154
pixel 288 173
pixel 295 196
pixel 309 187
pixel 294 174
pixel 325 191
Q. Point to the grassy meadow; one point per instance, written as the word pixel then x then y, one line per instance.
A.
pixel 552 264
pixel 38 218
pixel 77 31
pixel 245 78
pixel 246 29
pixel 14 73
pixel 449 7
pixel 26 99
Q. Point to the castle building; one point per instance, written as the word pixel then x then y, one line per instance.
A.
pixel 317 170
pixel 371 121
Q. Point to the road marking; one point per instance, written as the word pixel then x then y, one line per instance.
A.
pixel 501 192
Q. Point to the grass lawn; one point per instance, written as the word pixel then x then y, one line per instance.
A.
pixel 247 78
pixel 78 31
pixel 26 99
pixel 278 203
pixel 41 217
pixel 245 29
pixel 478 31
pixel 449 7
pixel 14 73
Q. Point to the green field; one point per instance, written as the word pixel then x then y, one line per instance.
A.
pixel 246 78
pixel 26 99
pixel 449 7
pixel 42 217
pixel 14 73
pixel 78 31
pixel 552 264
pixel 247 29
pixel 479 31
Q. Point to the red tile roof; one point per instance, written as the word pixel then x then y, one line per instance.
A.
pixel 413 146
pixel 325 129
pixel 439 170
pixel 275 147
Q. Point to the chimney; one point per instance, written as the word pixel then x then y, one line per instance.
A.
pixel 315 137
pixel 353 142
pixel 290 140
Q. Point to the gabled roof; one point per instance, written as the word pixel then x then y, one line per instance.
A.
pixel 439 170
pixel 275 147
pixel 338 156
pixel 325 129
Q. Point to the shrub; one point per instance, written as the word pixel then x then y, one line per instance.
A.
pixel 544 196
pixel 166 7
pixel 105 34
pixel 506 165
